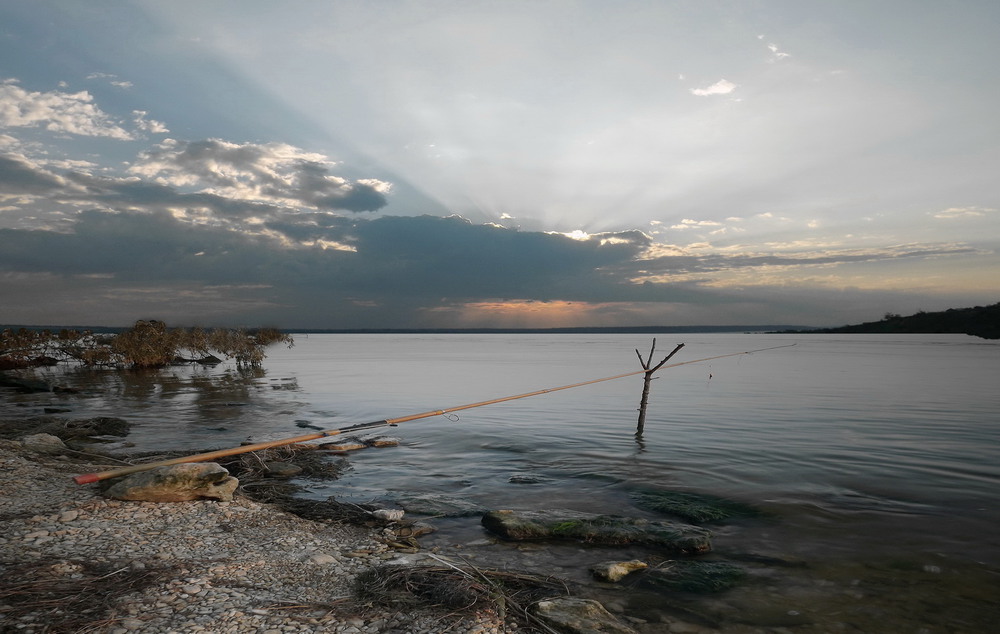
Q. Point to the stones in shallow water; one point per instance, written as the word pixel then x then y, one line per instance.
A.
pixel 439 505
pixel 528 478
pixel 615 571
pixel 353 444
pixel 693 507
pixel 347 444
pixel 573 614
pixel 176 483
pixel 695 576
pixel 609 530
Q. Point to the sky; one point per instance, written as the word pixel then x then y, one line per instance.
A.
pixel 473 163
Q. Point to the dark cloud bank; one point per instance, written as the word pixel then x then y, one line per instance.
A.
pixel 266 242
pixel 143 264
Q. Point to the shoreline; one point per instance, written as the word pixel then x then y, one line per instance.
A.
pixel 201 566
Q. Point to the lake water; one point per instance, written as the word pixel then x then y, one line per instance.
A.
pixel 876 458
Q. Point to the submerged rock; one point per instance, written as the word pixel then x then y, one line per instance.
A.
pixel 578 616
pixel 439 505
pixel 597 529
pixel 693 507
pixel 696 576
pixel 176 483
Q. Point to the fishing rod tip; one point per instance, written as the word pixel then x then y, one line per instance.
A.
pixel 86 478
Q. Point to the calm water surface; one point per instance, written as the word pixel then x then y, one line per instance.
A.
pixel 876 458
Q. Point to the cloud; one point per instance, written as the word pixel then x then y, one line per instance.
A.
pixel 56 111
pixel 663 264
pixel 776 53
pixel 19 176
pixel 963 212
pixel 721 87
pixel 148 125
pixel 688 223
pixel 275 173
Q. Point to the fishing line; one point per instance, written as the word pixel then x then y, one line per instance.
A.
pixel 211 455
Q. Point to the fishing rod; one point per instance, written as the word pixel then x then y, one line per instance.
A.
pixel 87 478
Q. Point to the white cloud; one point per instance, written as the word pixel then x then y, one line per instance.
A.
pixel 56 111
pixel 271 172
pixel 721 87
pixel 688 223
pixel 963 212
pixel 776 53
pixel 149 125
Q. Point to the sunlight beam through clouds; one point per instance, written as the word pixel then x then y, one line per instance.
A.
pixel 483 163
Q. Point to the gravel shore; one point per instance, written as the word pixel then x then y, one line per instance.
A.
pixel 74 561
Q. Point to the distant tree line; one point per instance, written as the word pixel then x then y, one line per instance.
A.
pixel 147 344
pixel 980 321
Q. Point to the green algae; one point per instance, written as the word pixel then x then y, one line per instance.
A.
pixel 693 507
pixel 696 576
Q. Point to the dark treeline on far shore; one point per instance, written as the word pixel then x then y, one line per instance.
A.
pixel 639 330
pixel 979 321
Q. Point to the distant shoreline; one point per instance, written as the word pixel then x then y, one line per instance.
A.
pixel 583 330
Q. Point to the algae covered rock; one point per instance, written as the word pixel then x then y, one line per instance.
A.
pixel 438 505
pixel 693 507
pixel 696 576
pixel 597 529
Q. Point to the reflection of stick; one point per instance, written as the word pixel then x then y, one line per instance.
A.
pixel 211 455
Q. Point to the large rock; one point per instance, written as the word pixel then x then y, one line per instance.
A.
pixel 438 505
pixel 176 483
pixel 574 615
pixel 43 443
pixel 598 529
pixel 692 507
pixel 696 576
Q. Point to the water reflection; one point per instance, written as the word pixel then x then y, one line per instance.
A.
pixel 175 401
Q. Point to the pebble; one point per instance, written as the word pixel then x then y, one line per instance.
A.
pixel 226 567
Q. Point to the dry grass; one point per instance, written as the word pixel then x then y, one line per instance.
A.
pixel 460 589
pixel 59 596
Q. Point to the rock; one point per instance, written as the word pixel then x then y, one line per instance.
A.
pixel 176 483
pixel 24 385
pixel 693 507
pixel 696 576
pixel 615 571
pixel 347 444
pixel 439 505
pixel 597 529
pixel 282 469
pixel 574 615
pixel 381 441
pixel 389 515
pixel 528 478
pixel 43 443
pixel 416 529
pixel 97 426
pixel 322 559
